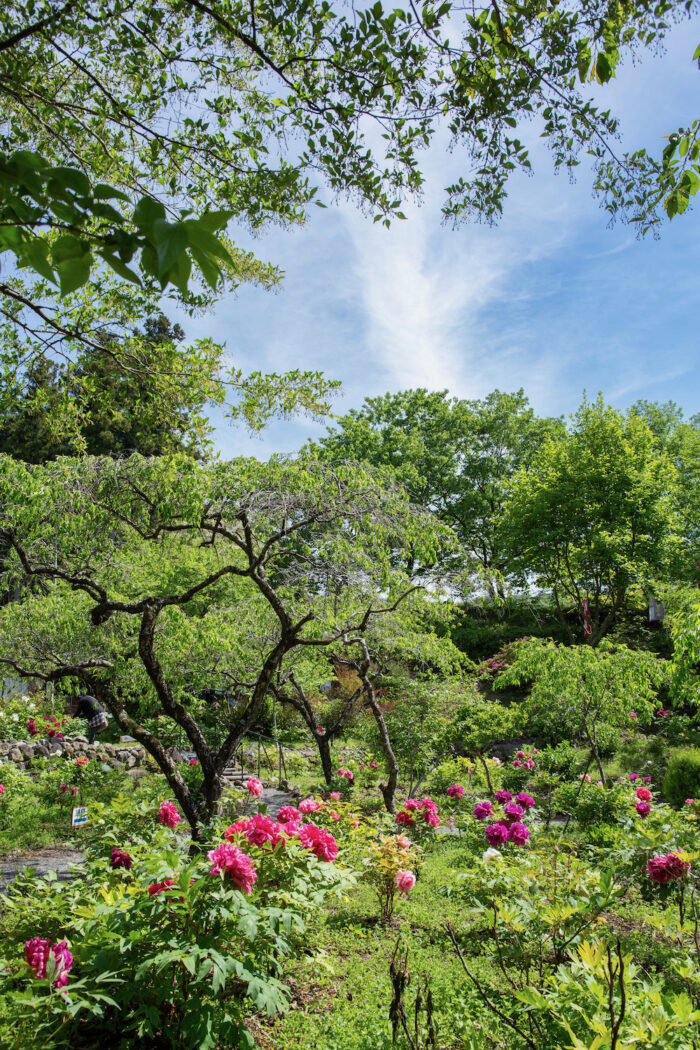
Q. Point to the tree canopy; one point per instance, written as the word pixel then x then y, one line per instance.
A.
pixel 455 457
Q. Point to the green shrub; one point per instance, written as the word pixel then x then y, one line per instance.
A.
pixel 682 778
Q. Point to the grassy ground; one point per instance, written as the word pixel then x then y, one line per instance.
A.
pixel 342 992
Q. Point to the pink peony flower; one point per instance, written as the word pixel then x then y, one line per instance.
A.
pixel 513 811
pixel 233 862
pixel 255 788
pixel 192 762
pixel 643 794
pixel 482 810
pixel 647 780
pixel 643 808
pixel 633 776
pixel 120 859
pixel 73 790
pixel 585 777
pixel 168 814
pixel 503 796
pixel 81 760
pixel 347 773
pixel 517 764
pixel 37 953
pixel 2 790
pixel 374 765
pixel 520 754
pixel 320 729
pixel 518 833
pixel 524 800
pixel 287 813
pixel 412 804
pixel 529 764
pixel 665 869
pixel 690 802
pixel 33 731
pixel 404 881
pixel 633 714
pixel 496 834
pixel 405 817
pixel 431 818
pixel 309 805
pixel 319 841
pixel 334 816
pixel 336 796
pixel 262 830
pixel 455 791
pixel 157 887
pixel 403 841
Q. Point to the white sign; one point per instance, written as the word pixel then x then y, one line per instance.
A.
pixel 79 816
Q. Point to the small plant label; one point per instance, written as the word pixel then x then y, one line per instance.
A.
pixel 79 816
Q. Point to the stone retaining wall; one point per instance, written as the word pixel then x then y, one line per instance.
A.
pixel 23 752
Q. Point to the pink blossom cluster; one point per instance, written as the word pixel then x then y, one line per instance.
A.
pixel 81 761
pixel 168 814
pixel 427 808
pixel 455 791
pixel 525 759
pixel 233 863
pixel 2 790
pixel 661 712
pixel 336 796
pixel 254 787
pixel 120 859
pixel 404 881
pixel 347 774
pixel 511 827
pixel 259 829
pixel 37 952
pixel 668 868
pixel 319 841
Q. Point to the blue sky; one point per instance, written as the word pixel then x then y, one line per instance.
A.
pixel 552 300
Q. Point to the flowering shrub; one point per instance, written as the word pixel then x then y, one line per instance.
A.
pixel 390 869
pixel 207 936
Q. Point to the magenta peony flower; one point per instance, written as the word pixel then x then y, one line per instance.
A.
pixel 237 828
pixel 319 841
pixel 643 808
pixel 168 814
pixel 233 862
pixel 262 830
pixel 33 731
pixel 513 811
pixel 503 796
pixel 192 762
pixel 404 881
pixel 37 953
pixel 455 791
pixel 288 813
pixel 525 800
pixel 120 859
pixel 517 764
pixel 2 790
pixel 633 776
pixel 482 810
pixel 404 817
pixel 518 833
pixel 496 834
pixel 374 765
pixel 520 754
pixel 157 887
pixel 643 794
pixel 665 869
pixel 309 805
pixel 255 788
pixel 647 780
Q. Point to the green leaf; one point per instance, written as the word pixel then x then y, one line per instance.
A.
pixel 171 240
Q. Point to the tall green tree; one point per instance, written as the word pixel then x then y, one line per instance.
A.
pixel 158 578
pixel 455 457
pixel 112 410
pixel 592 519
